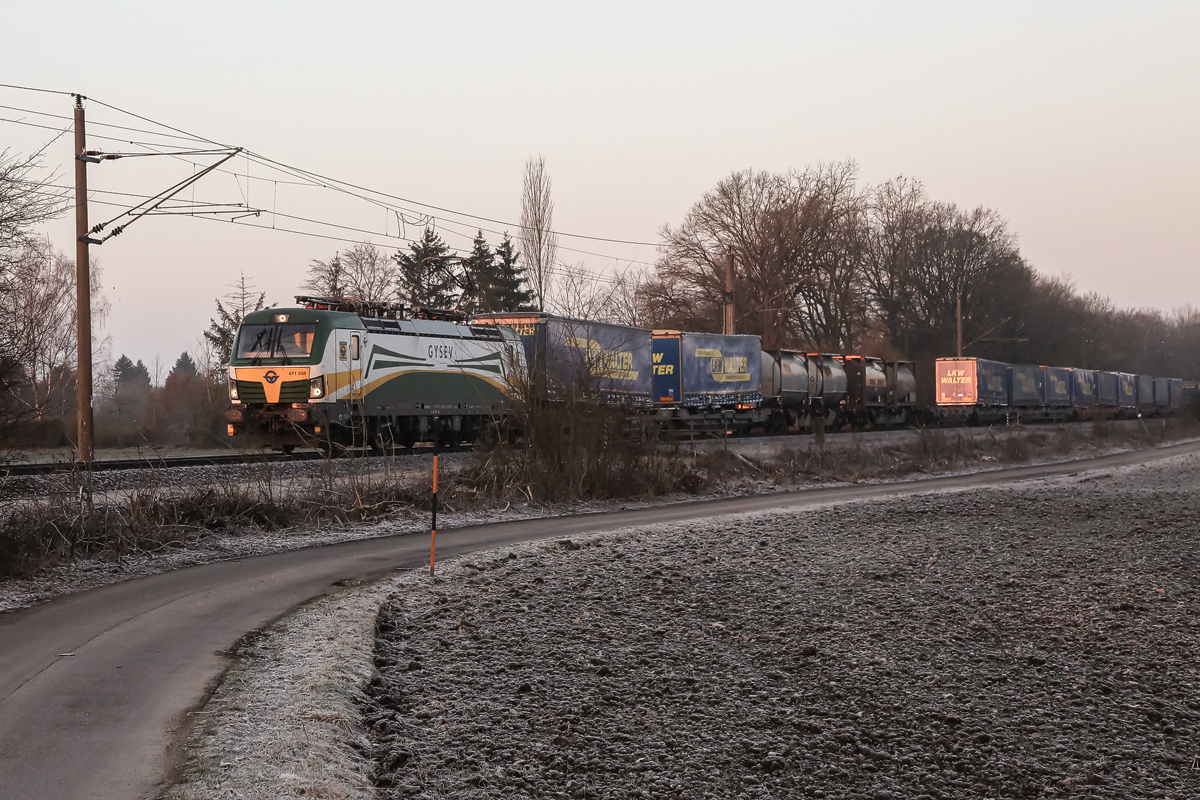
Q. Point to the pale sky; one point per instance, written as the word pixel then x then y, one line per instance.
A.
pixel 1078 122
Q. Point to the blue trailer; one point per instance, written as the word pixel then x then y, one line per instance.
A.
pixel 1108 390
pixel 697 370
pixel 972 389
pixel 1127 391
pixel 1028 386
pixel 1145 393
pixel 1162 395
pixel 599 359
pixel 1058 387
pixel 1083 391
pixel 1177 393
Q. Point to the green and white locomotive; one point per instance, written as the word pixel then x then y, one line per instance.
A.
pixel 337 373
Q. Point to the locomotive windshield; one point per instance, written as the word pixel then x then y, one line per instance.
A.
pixel 276 341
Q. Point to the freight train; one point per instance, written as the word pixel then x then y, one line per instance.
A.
pixel 337 373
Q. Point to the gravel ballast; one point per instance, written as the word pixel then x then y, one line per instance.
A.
pixel 1032 641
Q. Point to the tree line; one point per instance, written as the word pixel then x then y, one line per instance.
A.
pixel 428 275
pixel 824 264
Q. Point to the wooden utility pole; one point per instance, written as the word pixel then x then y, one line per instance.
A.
pixel 83 289
pixel 728 327
pixel 958 303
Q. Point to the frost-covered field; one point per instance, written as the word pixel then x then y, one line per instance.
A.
pixel 1035 640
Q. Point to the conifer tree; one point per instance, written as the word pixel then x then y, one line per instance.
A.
pixel 480 269
pixel 509 279
pixel 424 280
pixel 223 328
pixel 184 365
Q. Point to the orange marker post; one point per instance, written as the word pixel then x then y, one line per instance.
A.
pixel 433 525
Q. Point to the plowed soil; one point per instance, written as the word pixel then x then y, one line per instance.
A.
pixel 1034 641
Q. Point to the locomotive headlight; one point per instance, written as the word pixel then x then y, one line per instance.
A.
pixel 233 390
pixel 316 387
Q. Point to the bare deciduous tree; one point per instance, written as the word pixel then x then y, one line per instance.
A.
pixel 326 278
pixel 25 201
pixel 368 274
pixel 42 319
pixel 771 223
pixel 583 295
pixel 897 213
pixel 539 243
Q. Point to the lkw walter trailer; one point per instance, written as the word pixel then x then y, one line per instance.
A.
pixel 972 389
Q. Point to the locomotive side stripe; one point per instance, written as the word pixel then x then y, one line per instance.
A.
pixel 378 382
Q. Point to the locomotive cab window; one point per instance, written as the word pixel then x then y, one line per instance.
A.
pixel 255 341
pixel 296 341
pixel 276 341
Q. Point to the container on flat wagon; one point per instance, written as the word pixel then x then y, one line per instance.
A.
pixel 706 369
pixel 826 379
pixel 1177 392
pixel 866 381
pixel 1083 388
pixel 611 362
pixel 971 381
pixel 1145 392
pixel 1108 389
pixel 1126 390
pixel 902 383
pixel 1028 385
pixel 1162 392
pixel 1058 386
pixel 785 378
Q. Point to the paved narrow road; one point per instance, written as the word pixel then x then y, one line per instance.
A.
pixel 94 686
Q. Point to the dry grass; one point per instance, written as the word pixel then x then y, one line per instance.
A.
pixel 575 454
pixel 79 523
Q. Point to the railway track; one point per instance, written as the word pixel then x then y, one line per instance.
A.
pixel 710 438
pixel 174 462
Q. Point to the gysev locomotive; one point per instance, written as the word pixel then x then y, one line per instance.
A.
pixel 336 373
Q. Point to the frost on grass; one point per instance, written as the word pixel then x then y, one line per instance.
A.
pixel 283 722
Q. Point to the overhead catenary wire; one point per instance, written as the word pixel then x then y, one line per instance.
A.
pixel 310 178
pixel 96 123
pixel 36 89
pixel 280 165
pixel 423 219
pixel 314 179
pixel 179 209
pixel 210 217
pixel 91 135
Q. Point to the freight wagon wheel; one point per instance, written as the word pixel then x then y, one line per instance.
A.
pixel 288 449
